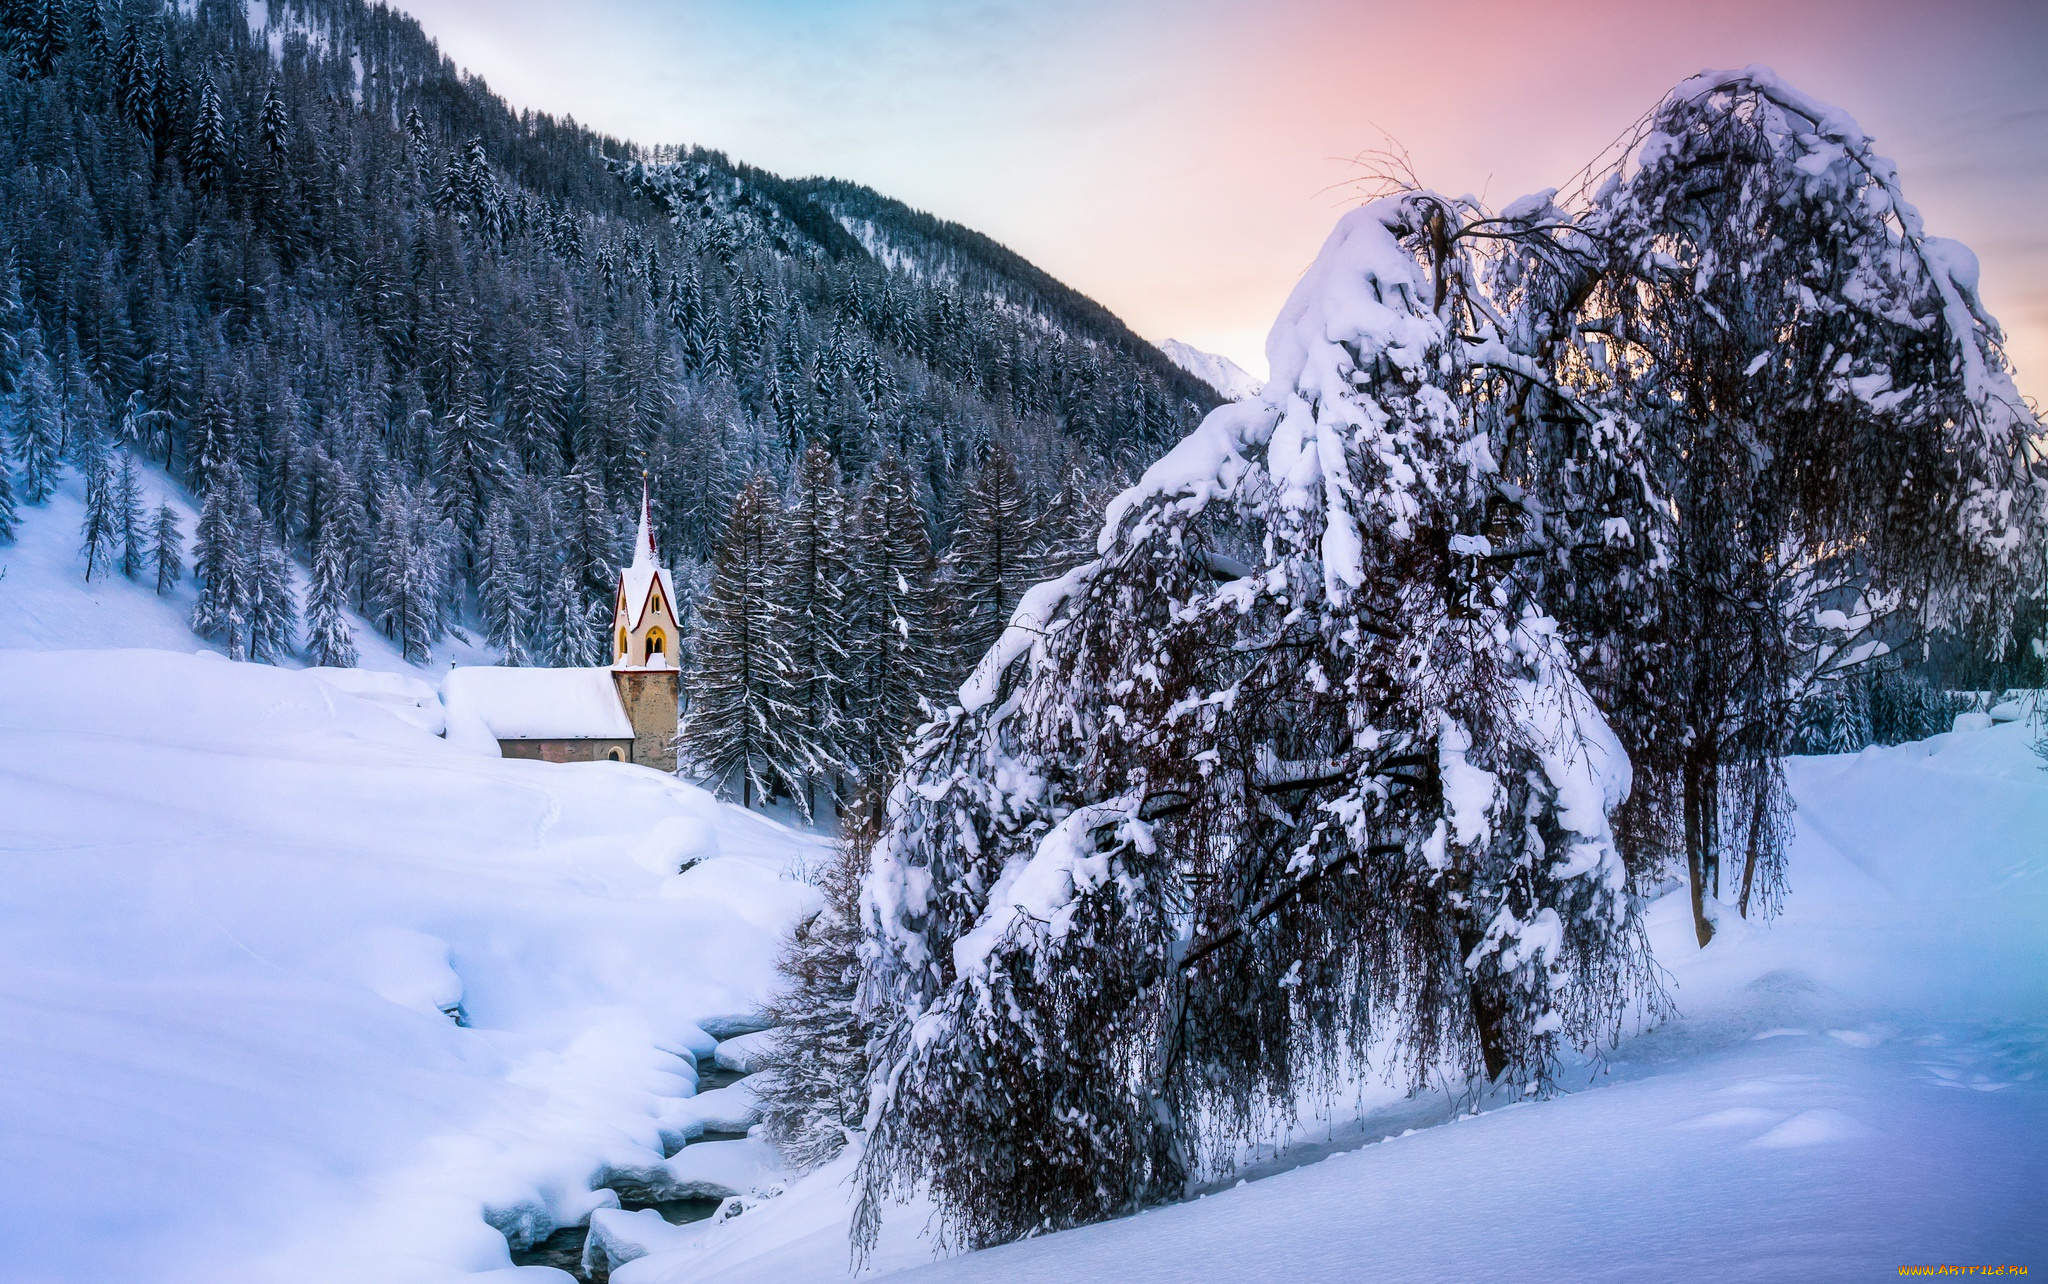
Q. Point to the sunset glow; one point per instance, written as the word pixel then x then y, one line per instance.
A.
pixel 1181 162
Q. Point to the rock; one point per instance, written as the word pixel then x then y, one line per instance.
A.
pixel 2009 711
pixel 1974 720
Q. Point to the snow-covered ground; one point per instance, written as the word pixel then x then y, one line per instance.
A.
pixel 1860 1085
pixel 238 901
pixel 46 604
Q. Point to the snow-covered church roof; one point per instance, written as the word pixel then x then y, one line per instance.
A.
pixel 640 575
pixel 538 704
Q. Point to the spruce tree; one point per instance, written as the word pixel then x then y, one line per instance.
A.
pixel 166 549
pixel 207 149
pixel 330 638
pixel 130 521
pixel 739 700
pixel 221 566
pixel 38 425
pixel 811 585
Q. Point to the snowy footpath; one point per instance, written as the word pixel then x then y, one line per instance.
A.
pixel 291 989
pixel 1858 1086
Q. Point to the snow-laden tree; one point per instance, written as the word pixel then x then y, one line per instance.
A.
pixel 1289 769
pixel 38 423
pixel 813 1091
pixel 221 566
pixel 273 606
pixel 1822 403
pixel 739 702
pixel 330 638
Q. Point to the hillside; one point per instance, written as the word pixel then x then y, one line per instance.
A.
pixel 290 254
pixel 1859 1085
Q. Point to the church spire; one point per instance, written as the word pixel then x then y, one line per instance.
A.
pixel 643 544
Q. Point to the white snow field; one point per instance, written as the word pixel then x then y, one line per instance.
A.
pixel 239 903
pixel 46 603
pixel 1858 1086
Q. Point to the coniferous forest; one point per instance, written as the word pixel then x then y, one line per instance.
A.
pixel 385 328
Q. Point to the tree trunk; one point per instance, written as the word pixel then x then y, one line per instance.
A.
pixel 1702 811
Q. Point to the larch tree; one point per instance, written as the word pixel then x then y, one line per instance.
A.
pixel 891 633
pixel 166 549
pixel 130 519
pixel 988 562
pixel 1286 771
pixel 1820 400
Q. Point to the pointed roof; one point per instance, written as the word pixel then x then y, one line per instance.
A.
pixel 638 578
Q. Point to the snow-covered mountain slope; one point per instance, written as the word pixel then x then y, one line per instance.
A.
pixel 238 902
pixel 1859 1085
pixel 1219 372
pixel 46 603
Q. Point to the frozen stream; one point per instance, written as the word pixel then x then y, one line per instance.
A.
pixel 679 1193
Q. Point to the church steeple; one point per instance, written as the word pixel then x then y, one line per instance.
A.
pixel 645 628
pixel 644 552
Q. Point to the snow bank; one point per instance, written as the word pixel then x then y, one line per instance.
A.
pixel 240 903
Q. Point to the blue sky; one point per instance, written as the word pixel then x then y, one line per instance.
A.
pixel 1181 162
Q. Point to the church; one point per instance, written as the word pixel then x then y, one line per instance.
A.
pixel 625 712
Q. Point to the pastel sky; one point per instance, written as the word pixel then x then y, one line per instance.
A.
pixel 1181 161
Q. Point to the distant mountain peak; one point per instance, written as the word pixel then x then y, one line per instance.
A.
pixel 1220 373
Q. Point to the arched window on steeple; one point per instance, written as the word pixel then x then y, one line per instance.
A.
pixel 657 644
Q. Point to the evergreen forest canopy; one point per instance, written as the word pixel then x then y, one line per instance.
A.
pixel 384 327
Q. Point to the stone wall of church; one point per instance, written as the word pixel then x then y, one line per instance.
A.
pixel 568 750
pixel 651 697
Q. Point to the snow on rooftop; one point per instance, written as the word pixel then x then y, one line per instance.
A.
pixel 538 704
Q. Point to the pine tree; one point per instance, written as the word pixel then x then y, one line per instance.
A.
pixel 38 425
pixel 330 638
pixel 891 636
pixel 810 584
pixel 166 549
pixel 130 521
pixel 739 698
pixel 221 566
pixel 988 562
